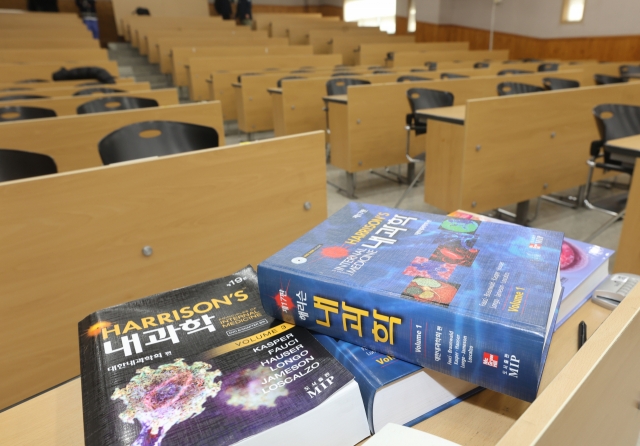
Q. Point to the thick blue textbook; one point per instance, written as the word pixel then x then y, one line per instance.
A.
pixel 395 391
pixel 474 300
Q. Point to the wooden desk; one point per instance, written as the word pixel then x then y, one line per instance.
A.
pixel 483 419
pixel 628 255
pixel 453 115
pixel 337 98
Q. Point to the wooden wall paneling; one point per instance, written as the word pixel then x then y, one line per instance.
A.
pixel 182 55
pixel 153 54
pixel 166 46
pixel 18 72
pixel 67 105
pixel 72 141
pixel 419 58
pixel 68 6
pixel 95 222
pixel 200 69
pixel 553 163
pixel 160 8
pixel 332 11
pixel 347 45
pixel 402 24
pixel 44 43
pixel 376 53
pixel 61 55
pixel 69 91
pixel 13 4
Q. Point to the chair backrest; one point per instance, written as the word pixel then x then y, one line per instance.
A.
pixel 452 76
pixel 279 83
pixel 509 88
pixel 419 70
pixel 481 65
pixel 529 59
pixel 9 114
pixel 549 66
pixel 31 81
pixel 155 138
pixel 554 83
pixel 504 72
pixel 605 79
pixel 374 67
pixel 18 97
pixel 420 98
pixel 626 70
pixel 18 164
pixel 344 73
pixel 432 66
pixel 382 72
pixel 410 78
pixel 15 89
pixel 617 120
pixel 339 85
pixel 115 103
pixel 105 90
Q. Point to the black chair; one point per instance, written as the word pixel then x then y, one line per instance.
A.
pixel 509 88
pixel 382 72
pixel 605 79
pixel 549 66
pixel 339 85
pixel 16 89
pixel 452 76
pixel 375 67
pixel 344 73
pixel 115 103
pixel 432 66
pixel 155 138
pixel 421 98
pixel 613 121
pixel 505 72
pixel 89 91
pixel 31 81
pixel 279 83
pixel 481 65
pixel 9 114
pixel 529 59
pixel 419 70
pixel 304 70
pixel 17 164
pixel 626 70
pixel 17 97
pixel 410 78
pixel 554 83
pixel 247 74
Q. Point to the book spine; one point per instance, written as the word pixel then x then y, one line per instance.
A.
pixel 486 353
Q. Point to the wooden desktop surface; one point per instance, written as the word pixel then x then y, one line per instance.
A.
pixel 454 114
pixel 339 98
pixel 480 420
pixel 628 143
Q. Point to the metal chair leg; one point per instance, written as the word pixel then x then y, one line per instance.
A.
pixel 413 183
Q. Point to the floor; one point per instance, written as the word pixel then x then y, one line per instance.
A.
pixel 371 188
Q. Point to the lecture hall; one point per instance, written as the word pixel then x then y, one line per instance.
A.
pixel 149 145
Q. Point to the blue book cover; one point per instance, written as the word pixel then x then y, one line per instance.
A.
pixel 422 398
pixel 582 267
pixel 474 300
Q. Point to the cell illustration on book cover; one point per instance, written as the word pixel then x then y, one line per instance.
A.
pixel 473 287
pixel 198 365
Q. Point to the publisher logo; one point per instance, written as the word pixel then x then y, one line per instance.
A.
pixel 490 359
pixel 536 242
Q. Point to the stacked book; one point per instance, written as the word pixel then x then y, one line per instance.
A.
pixel 411 313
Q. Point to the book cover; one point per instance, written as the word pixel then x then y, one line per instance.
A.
pixel 203 365
pixel 474 300
pixel 582 267
pixel 409 403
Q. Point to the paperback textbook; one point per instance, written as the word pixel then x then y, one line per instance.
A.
pixel 582 267
pixel 203 365
pixel 396 391
pixel 474 300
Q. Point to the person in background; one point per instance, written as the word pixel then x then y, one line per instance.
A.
pixel 243 13
pixel 223 7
